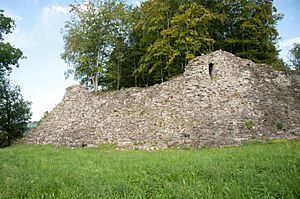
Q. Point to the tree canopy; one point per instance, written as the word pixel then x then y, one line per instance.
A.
pixel 295 56
pixel 14 110
pixel 154 41
pixel 9 55
pixel 92 33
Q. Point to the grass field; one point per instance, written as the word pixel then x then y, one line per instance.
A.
pixel 269 170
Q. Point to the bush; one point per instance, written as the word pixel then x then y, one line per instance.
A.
pixel 279 125
pixel 249 124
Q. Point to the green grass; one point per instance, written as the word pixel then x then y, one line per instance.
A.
pixel 255 170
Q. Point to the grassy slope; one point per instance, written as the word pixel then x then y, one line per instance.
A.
pixel 269 170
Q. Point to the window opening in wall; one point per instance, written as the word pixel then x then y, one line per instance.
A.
pixel 211 68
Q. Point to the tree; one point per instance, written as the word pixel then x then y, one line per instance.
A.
pixel 15 113
pixel 295 56
pixel 45 115
pixel 9 56
pixel 249 29
pixel 116 64
pixel 123 47
pixel 118 68
pixel 170 33
pixel 89 38
pixel 189 28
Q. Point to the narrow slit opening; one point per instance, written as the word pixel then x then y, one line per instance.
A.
pixel 211 68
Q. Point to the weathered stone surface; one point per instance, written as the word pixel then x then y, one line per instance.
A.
pixel 219 100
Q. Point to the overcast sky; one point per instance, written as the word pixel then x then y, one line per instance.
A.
pixel 39 22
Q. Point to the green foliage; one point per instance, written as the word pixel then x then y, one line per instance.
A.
pixel 249 124
pixel 45 115
pixel 153 42
pixel 90 36
pixel 295 56
pixel 8 54
pixel 6 24
pixel 170 33
pixel 250 29
pixel 14 113
pixel 279 125
pixel 252 171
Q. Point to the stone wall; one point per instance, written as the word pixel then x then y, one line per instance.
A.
pixel 220 100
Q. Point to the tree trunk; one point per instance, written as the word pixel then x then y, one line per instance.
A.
pixel 118 75
pixel 147 84
pixel 135 75
pixel 161 72
pixel 96 77
pixel 96 81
